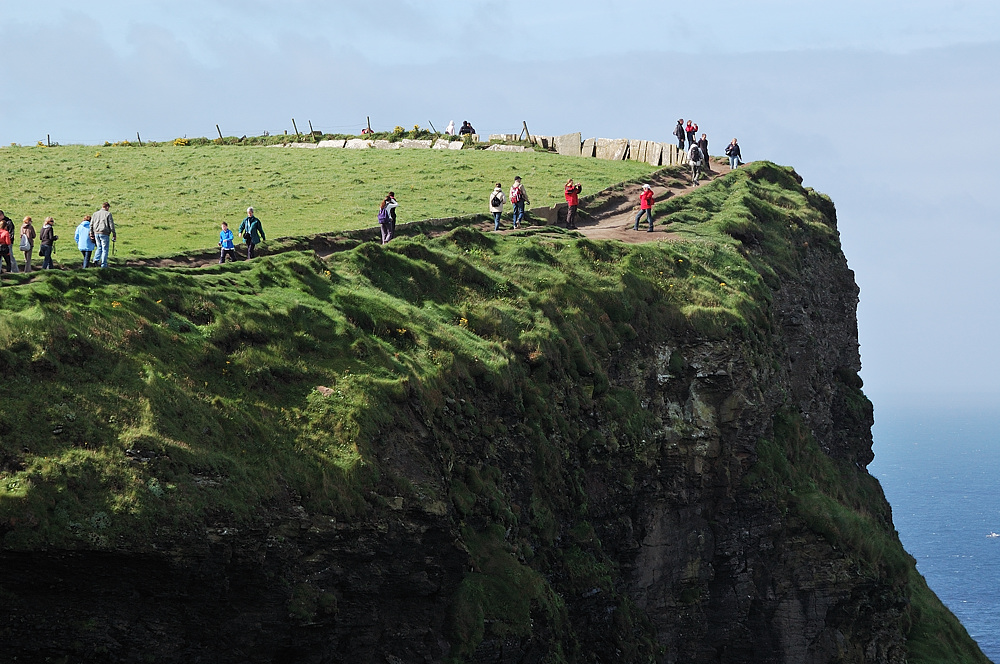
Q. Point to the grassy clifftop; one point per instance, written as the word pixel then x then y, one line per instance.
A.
pixel 144 406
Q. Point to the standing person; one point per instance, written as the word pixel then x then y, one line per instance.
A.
pixel 466 129
pixel 252 233
pixel 226 246
pixel 733 152
pixel 9 225
pixel 645 207
pixel 496 205
pixel 45 242
pixel 703 146
pixel 691 129
pixel 450 129
pixel 385 217
pixel 518 198
pixel 5 246
pixel 103 227
pixel 84 240
pixel 572 193
pixel 694 156
pixel 27 242
pixel 679 133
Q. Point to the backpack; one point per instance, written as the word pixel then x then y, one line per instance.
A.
pixel 695 153
pixel 515 194
pixel 383 215
pixel 496 201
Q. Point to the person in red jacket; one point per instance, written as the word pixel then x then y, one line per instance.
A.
pixel 572 192
pixel 645 207
pixel 691 129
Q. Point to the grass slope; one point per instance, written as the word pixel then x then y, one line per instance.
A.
pixel 145 405
pixel 172 198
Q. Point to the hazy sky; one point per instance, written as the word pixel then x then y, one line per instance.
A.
pixel 890 107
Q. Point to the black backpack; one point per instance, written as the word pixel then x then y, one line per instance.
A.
pixel 496 201
pixel 695 153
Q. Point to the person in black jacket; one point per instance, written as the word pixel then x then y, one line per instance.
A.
pixel 703 145
pixel 733 152
pixel 466 129
pixel 680 134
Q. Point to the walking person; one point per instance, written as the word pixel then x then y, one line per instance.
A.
pixel 691 129
pixel 226 245
pixel 703 146
pixel 518 199
pixel 27 242
pixel 694 157
pixel 680 134
pixel 85 240
pixel 252 233
pixel 496 205
pixel 9 225
pixel 645 207
pixel 5 246
pixel 46 241
pixel 572 193
pixel 102 224
pixel 733 152
pixel 386 214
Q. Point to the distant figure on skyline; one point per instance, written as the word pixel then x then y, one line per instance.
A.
pixel 466 129
pixel 680 134
pixel 733 152
pixel 645 207
pixel 572 193
pixel 691 129
pixel 450 129
pixel 252 233
pixel 703 146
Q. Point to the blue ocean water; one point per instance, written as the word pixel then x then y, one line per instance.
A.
pixel 940 469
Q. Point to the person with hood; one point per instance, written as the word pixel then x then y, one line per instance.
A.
pixel 5 246
pixel 450 129
pixel 46 241
pixel 703 146
pixel 386 217
pixel 680 134
pixel 27 242
pixel 645 207
pixel 572 193
pixel 84 241
pixel 694 157
pixel 9 225
pixel 691 129
pixel 252 233
pixel 496 205
pixel 733 152
pixel 518 199
pixel 226 245
pixel 103 227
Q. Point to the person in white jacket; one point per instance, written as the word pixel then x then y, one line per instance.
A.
pixel 497 200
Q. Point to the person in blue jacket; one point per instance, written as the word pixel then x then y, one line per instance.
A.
pixel 252 233
pixel 226 244
pixel 85 242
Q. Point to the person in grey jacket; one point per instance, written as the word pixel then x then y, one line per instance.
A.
pixel 103 227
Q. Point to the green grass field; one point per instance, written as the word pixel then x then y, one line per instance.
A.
pixel 167 199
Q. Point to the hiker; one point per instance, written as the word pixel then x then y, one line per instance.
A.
pixel 252 233
pixel 694 156
pixel 518 198
pixel 572 192
pixel 680 134
pixel 226 246
pixel 102 225
pixel 645 207
pixel 450 129
pixel 703 146
pixel 46 241
pixel 691 129
pixel 85 241
pixel 496 205
pixel 5 246
pixel 9 225
pixel 27 242
pixel 387 217
pixel 733 152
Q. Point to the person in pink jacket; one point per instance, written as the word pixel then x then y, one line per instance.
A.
pixel 645 207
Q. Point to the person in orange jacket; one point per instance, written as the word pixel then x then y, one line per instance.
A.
pixel 572 192
pixel 645 207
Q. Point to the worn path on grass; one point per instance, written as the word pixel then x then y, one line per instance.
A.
pixel 609 215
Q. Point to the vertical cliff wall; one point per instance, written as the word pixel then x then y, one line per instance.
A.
pixel 530 449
